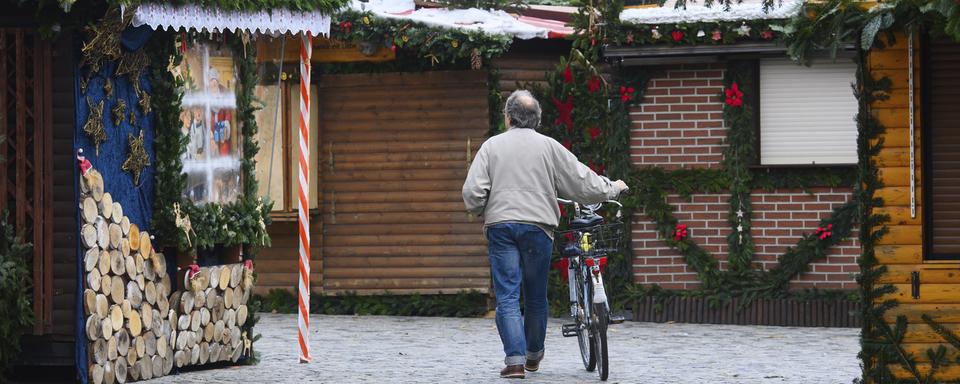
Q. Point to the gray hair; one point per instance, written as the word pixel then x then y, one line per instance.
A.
pixel 522 109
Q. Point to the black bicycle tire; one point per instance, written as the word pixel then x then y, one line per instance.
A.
pixel 584 332
pixel 601 354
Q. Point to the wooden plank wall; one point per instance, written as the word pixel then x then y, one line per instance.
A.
pixel 396 149
pixel 64 202
pixel 518 67
pixel 901 250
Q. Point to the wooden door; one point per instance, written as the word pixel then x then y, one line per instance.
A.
pixel 395 151
pixel 26 171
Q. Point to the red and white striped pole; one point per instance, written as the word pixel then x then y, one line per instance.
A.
pixel 303 334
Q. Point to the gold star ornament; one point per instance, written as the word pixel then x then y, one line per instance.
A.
pixel 137 159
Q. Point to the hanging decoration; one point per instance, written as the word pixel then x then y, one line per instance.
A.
pixel 680 232
pixel 824 232
pixel 137 159
pixel 94 125
pixel 733 95
pixel 119 111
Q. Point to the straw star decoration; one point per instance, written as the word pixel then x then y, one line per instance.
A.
pixel 137 159
pixel 94 125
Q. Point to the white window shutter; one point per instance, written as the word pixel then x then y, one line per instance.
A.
pixel 807 114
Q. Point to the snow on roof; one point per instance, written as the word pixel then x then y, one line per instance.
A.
pixel 697 12
pixel 491 22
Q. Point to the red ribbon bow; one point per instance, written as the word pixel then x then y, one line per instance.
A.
pixel 680 233
pixel 734 97
pixel 594 133
pixel 565 111
pixel 626 93
pixel 594 84
pixel 824 233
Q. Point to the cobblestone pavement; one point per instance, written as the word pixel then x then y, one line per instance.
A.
pixel 374 349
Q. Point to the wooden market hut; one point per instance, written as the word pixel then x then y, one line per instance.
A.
pixel 56 161
pixel 393 149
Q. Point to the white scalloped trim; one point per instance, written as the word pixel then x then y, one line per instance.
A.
pixel 277 21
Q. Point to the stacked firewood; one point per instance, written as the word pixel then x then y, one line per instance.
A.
pixel 130 321
pixel 212 309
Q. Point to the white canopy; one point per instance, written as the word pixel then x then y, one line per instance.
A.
pixel 276 21
pixel 697 12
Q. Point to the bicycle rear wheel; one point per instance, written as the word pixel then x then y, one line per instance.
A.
pixel 599 338
pixel 584 335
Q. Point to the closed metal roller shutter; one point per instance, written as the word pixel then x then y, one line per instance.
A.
pixel 395 151
pixel 943 101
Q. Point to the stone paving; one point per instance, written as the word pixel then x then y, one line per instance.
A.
pixel 375 349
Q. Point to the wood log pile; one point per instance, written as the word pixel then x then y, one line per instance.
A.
pixel 136 328
pixel 211 311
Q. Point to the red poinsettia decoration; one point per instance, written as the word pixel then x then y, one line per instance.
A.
pixel 567 75
pixel 593 84
pixel 680 232
pixel 734 97
pixel 563 265
pixel 345 26
pixel 767 35
pixel 626 93
pixel 824 232
pixel 597 168
pixel 567 144
pixel 677 35
pixel 565 112
pixel 594 133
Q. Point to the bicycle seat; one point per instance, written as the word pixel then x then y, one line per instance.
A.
pixel 587 221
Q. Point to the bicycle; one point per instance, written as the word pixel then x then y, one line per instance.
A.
pixel 586 245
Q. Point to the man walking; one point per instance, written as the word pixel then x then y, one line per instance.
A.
pixel 513 183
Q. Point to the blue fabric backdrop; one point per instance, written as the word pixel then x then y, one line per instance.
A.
pixel 137 200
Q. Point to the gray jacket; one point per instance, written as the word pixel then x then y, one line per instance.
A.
pixel 517 176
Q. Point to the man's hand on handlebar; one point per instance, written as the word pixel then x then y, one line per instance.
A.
pixel 621 185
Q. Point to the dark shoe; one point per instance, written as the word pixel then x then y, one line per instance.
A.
pixel 532 365
pixel 513 372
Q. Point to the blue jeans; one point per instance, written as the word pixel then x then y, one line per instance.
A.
pixel 520 257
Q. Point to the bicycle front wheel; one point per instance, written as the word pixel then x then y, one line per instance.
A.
pixel 599 338
pixel 584 334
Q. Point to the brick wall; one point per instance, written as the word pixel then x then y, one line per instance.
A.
pixel 679 123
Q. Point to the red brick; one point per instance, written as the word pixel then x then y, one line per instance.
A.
pixel 682 125
pixel 669 150
pixel 696 83
pixel 661 83
pixel 707 91
pixel 669 116
pixel 683 159
pixel 655 108
pixel 816 207
pixel 688 144
pixel 655 159
pixel 682 74
pixel 657 91
pixel 669 133
pixel 669 100
pixel 659 278
pixel 709 107
pixel 776 198
pixel 695 99
pixel 703 74
pixel 673 286
pixel 683 108
pixel 682 91
pixel 696 116
pixel 692 150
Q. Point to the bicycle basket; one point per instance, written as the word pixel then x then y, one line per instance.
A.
pixel 604 238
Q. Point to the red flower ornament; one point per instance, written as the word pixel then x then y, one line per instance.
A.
pixel 593 85
pixel 345 26
pixel 567 75
pixel 680 232
pixel 734 97
pixel 596 168
pixel 767 35
pixel 716 35
pixel 565 112
pixel 626 93
pixel 594 133
pixel 824 232
pixel 677 35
